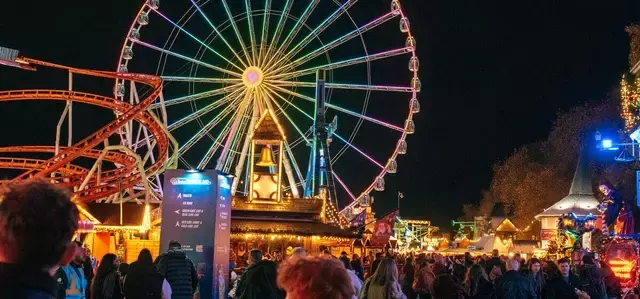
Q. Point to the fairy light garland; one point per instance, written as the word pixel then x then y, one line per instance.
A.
pixel 629 91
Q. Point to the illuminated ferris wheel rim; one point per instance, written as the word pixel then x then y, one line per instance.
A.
pixel 250 71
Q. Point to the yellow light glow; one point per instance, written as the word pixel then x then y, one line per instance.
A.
pixel 252 77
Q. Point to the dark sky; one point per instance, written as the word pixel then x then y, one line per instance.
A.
pixel 494 74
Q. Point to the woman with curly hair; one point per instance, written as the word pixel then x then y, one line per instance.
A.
pixel 315 278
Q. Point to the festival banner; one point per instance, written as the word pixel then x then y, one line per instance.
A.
pixel 358 221
pixel 383 229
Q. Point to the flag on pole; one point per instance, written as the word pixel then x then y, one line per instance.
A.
pixel 400 194
pixel 383 229
pixel 359 220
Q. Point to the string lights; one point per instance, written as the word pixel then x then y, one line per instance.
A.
pixel 286 236
pixel 629 90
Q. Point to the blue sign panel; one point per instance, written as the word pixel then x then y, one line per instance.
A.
pixel 192 211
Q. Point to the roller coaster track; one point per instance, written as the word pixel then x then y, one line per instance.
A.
pixel 88 184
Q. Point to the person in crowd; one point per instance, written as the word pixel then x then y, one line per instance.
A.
pixel 383 284
pixel 495 262
pixel 37 223
pixel 144 281
pixel 87 268
pixel 259 279
pixel 458 268
pixel 611 282
pixel 315 277
pixel 445 286
pixel 468 260
pixel 374 264
pixel 107 283
pixel 439 265
pixel 564 284
pixel 299 252
pixel 71 283
pixel 423 277
pixel 537 277
pixel 477 285
pixel 514 285
pixel 179 271
pixel 357 283
pixel 591 280
pixel 357 266
pixel 408 273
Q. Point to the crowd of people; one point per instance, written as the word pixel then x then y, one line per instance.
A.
pixel 41 258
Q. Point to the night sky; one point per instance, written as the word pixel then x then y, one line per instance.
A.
pixel 494 76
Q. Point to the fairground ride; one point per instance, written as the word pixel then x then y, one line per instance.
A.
pixel 116 172
pixel 225 64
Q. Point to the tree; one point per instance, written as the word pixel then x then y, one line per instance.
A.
pixel 537 175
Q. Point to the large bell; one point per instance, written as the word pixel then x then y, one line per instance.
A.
pixel 266 158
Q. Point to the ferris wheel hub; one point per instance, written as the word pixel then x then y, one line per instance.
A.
pixel 252 76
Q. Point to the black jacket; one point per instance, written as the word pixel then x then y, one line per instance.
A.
pixel 16 282
pixel 557 288
pixel 485 291
pixel 513 285
pixel 494 261
pixel 259 281
pixel 143 282
pixel 180 272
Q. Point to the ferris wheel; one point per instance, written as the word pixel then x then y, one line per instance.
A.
pixel 225 63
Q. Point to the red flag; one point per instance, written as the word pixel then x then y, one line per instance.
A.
pixel 383 229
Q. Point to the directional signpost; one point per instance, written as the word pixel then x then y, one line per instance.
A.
pixel 196 211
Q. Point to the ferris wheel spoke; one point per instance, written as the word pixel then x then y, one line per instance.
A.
pixel 201 80
pixel 344 63
pixel 344 186
pixel 196 114
pixel 245 148
pixel 218 33
pixel 198 96
pixel 341 40
pixel 217 143
pixel 235 29
pixel 252 31
pixel 289 157
pixel 338 108
pixel 189 59
pixel 359 151
pixel 280 28
pixel 315 32
pixel 265 29
pixel 232 137
pixel 205 129
pixel 343 86
pixel 196 39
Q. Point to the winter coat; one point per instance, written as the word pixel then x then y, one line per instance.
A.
pixel 494 261
pixel 180 272
pixel 485 290
pixel 513 285
pixel 557 288
pixel 17 282
pixel 107 286
pixel 259 281
pixel 143 282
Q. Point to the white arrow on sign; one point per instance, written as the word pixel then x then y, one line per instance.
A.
pixel 177 224
pixel 178 211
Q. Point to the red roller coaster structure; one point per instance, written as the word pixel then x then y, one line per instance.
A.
pixel 131 166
